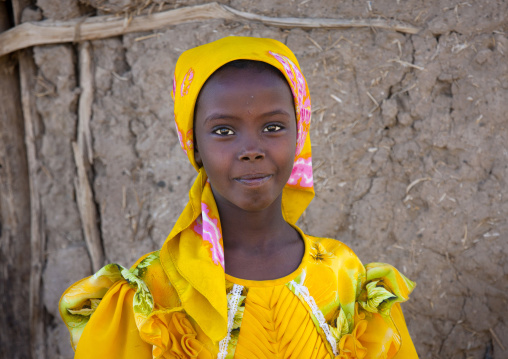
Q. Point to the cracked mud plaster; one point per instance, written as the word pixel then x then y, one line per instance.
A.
pixel 410 154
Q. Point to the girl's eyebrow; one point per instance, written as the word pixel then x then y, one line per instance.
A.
pixel 221 116
pixel 276 112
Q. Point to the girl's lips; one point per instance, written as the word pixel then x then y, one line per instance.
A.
pixel 253 180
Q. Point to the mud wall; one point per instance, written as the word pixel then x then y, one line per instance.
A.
pixel 410 151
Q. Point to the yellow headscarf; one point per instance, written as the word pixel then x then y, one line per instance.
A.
pixel 193 254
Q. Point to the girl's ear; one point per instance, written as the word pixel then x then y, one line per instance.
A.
pixel 197 156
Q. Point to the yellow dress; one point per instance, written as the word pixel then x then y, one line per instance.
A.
pixel 140 314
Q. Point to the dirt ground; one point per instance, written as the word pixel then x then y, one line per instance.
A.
pixel 410 151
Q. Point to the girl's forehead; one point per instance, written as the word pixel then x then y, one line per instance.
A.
pixel 232 75
pixel 243 80
pixel 233 91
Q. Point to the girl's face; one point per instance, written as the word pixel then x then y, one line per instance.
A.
pixel 245 130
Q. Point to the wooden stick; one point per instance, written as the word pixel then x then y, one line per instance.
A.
pixel 87 210
pixel 496 338
pixel 83 157
pixel 85 100
pixel 310 23
pixel 28 75
pixel 100 27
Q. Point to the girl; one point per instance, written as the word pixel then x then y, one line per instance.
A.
pixel 236 277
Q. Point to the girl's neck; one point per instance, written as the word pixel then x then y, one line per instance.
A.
pixel 258 231
pixel 258 245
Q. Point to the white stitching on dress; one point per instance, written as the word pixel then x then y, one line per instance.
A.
pixel 304 292
pixel 233 301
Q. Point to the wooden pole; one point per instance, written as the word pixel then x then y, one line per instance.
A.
pixel 28 79
pixel 28 75
pixel 100 27
pixel 14 213
pixel 83 157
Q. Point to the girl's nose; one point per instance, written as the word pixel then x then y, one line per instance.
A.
pixel 251 155
pixel 251 150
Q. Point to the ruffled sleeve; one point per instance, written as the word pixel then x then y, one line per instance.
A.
pixel 379 329
pixel 111 332
pixel 121 313
pixel 98 312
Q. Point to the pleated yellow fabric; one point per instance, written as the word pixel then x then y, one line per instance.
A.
pixel 276 325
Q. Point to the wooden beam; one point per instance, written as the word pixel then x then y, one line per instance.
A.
pixel 99 27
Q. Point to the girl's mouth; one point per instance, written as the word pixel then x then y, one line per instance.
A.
pixel 253 179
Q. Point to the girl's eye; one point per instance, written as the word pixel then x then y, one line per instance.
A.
pixel 223 131
pixel 272 128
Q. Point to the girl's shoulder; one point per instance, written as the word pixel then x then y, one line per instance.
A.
pixel 330 244
pixel 343 261
pixel 329 250
pixel 150 271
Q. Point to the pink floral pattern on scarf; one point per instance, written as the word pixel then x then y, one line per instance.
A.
pixel 301 96
pixel 208 228
pixel 302 171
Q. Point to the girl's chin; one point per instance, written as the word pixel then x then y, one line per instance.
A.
pixel 253 204
pixel 253 198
